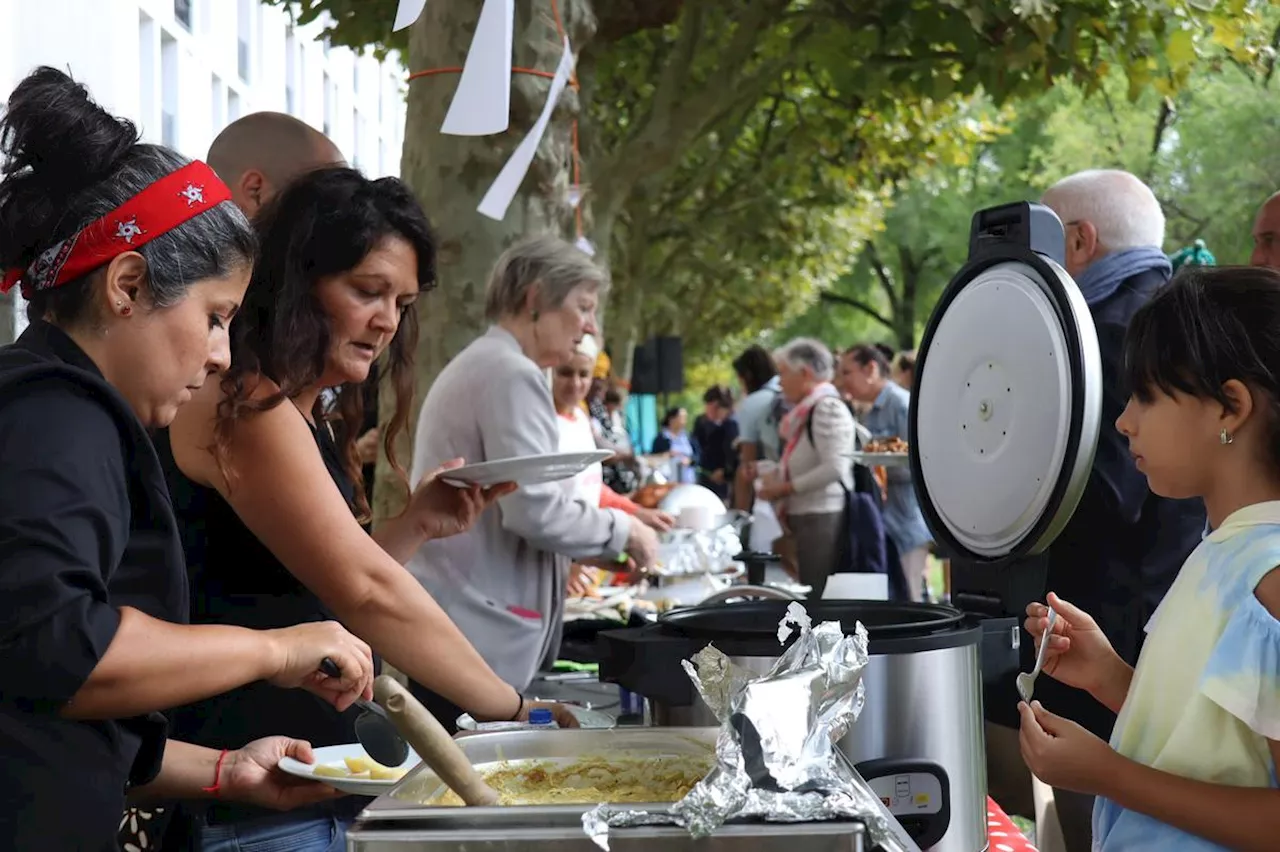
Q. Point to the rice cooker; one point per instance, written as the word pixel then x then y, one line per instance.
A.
pixel 1003 427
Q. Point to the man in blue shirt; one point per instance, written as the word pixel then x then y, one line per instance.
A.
pixel 864 377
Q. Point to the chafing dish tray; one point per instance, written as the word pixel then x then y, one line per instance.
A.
pixel 397 822
pixel 489 751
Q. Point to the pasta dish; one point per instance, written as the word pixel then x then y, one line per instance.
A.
pixel 588 781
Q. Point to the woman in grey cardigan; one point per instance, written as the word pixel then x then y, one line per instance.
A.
pixel 503 581
pixel 817 461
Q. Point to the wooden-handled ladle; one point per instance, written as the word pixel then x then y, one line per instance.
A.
pixel 432 743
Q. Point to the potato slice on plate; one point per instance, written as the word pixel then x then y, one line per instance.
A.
pixel 358 764
pixel 325 770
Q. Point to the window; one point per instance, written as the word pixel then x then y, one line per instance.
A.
pixel 357 145
pixel 233 106
pixel 218 115
pixel 182 12
pixel 148 75
pixel 290 72
pixel 328 105
pixel 244 37
pixel 168 91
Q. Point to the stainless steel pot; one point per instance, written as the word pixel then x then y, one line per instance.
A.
pixel 918 741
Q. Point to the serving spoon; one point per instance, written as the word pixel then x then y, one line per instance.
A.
pixel 433 744
pixel 375 731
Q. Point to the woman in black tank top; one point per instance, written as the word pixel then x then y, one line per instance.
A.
pixel 268 483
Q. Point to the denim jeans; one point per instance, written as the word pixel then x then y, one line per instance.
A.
pixel 276 834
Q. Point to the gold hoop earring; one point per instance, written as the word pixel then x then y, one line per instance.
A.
pixel 1225 437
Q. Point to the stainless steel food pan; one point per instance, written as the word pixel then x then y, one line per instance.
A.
pixel 403 803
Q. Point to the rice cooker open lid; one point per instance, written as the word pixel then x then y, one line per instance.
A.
pixel 1008 393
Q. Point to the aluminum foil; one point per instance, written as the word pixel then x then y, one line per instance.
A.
pixel 776 755
pixel 704 552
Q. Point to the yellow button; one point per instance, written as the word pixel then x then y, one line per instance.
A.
pixel 922 798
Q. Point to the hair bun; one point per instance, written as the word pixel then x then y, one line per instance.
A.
pixel 56 129
pixel 55 142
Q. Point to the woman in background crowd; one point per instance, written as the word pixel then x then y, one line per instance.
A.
pixel 903 372
pixel 674 440
pixel 715 434
pixel 816 470
pixel 864 377
pixel 133 261
pixel 569 386
pixel 503 582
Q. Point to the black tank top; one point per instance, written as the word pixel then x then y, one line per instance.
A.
pixel 235 579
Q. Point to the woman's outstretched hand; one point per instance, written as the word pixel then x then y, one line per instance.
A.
pixel 441 510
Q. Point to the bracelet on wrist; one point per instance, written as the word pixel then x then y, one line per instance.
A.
pixel 216 787
pixel 519 710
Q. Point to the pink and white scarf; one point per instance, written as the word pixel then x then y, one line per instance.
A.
pixel 792 427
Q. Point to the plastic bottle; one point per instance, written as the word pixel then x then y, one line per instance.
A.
pixel 540 719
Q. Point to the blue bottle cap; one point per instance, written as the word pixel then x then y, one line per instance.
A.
pixel 540 716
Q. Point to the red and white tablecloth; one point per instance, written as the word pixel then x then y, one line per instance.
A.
pixel 1002 834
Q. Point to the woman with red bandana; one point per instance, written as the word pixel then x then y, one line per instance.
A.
pixel 133 261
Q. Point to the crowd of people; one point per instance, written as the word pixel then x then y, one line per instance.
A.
pixel 183 522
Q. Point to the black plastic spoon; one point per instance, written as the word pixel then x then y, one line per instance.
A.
pixel 377 733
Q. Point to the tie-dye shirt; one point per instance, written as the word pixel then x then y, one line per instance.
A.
pixel 1205 695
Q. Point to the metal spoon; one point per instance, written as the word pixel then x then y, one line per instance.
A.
pixel 1027 682
pixel 376 733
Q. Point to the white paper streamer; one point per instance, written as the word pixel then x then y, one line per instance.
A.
pixel 504 188
pixel 407 12
pixel 586 246
pixel 482 102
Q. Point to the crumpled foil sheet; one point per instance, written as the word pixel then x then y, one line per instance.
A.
pixel 776 755
pixel 704 552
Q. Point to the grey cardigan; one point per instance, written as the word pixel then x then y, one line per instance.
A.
pixel 502 582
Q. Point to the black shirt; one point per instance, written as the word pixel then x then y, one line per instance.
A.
pixel 85 528
pixel 236 580
pixel 1123 547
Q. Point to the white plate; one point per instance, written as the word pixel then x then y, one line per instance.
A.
pixel 334 756
pixel 528 470
pixel 586 718
pixel 882 459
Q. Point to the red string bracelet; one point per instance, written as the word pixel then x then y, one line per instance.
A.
pixel 217 776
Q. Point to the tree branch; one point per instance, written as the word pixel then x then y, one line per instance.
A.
pixel 618 19
pixel 886 281
pixel 857 304
pixel 678 115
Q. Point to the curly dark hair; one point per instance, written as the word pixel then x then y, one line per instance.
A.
pixel 322 224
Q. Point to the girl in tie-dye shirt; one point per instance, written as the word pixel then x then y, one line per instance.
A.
pixel 1192 760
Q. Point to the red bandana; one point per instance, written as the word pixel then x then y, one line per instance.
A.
pixel 161 207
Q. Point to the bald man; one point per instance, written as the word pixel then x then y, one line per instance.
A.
pixel 258 154
pixel 1266 234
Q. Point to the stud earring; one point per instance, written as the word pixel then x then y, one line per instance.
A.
pixel 535 316
pixel 1225 437
pixel 126 311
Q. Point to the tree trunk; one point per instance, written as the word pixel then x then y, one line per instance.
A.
pixel 450 174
